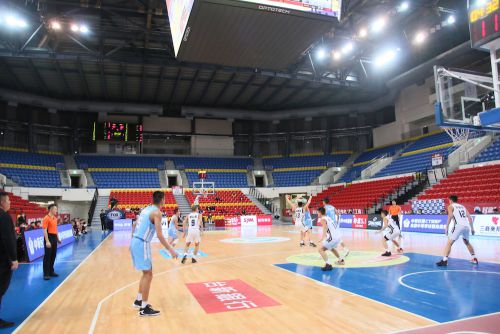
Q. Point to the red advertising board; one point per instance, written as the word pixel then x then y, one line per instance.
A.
pixel 236 221
pixel 360 221
pixel 264 220
pixel 227 296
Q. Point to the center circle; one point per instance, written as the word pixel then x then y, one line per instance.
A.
pixel 356 259
pixel 254 240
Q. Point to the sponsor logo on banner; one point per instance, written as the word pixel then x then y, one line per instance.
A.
pixel 177 190
pixel 274 9
pixel 226 296
pixel 115 214
pixel 248 220
pixel 232 221
pixel 424 223
pixel 264 220
pixel 359 221
pixel 374 222
pixel 125 224
pixel 346 221
pixel 487 225
pixel 34 240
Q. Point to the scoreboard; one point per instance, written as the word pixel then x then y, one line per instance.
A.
pixel 484 21
pixel 111 131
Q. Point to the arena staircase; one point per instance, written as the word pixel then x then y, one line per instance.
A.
pixel 183 204
pixel 162 176
pixel 102 204
pixel 266 210
pixel 185 181
pixel 69 162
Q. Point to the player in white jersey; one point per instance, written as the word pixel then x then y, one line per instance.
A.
pixel 301 216
pixel 147 224
pixel 193 226
pixel 332 213
pixel 331 239
pixel 391 232
pixel 462 225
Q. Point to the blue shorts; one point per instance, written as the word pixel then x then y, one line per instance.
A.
pixel 141 254
pixel 172 233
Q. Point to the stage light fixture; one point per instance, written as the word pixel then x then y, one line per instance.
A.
pixel 84 29
pixel 347 48
pixel 379 24
pixel 385 57
pixel 451 19
pixel 337 55
pixel 321 54
pixel 55 25
pixel 75 27
pixel 420 37
pixel 363 33
pixel 404 6
pixel 15 22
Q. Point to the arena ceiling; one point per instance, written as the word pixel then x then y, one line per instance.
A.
pixel 127 56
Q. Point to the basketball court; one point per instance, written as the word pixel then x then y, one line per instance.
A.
pixel 283 282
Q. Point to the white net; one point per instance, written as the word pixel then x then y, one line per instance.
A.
pixel 458 135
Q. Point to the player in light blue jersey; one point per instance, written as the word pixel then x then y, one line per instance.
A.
pixel 332 213
pixel 147 225
pixel 173 237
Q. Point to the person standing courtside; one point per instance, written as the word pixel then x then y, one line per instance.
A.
pixel 102 215
pixel 51 239
pixel 8 251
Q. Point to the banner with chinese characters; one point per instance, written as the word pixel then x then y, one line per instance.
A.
pixel 226 296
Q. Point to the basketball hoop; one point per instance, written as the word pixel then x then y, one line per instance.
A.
pixel 458 135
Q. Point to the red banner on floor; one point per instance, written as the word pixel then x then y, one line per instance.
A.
pixel 226 296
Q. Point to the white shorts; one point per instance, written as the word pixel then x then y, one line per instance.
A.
pixel 457 231
pixel 193 236
pixel 391 236
pixel 331 244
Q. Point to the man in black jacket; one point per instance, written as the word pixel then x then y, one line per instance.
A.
pixel 8 250
pixel 102 215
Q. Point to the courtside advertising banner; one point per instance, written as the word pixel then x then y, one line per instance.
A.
pixel 264 220
pixel 359 221
pixel 346 221
pixel 124 225
pixel 374 222
pixel 33 240
pixel 487 225
pixel 424 223
pixel 248 220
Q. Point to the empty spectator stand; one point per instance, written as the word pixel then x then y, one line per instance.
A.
pixel 137 199
pixel 122 171
pixel 227 202
pixel 368 157
pixel 478 184
pixel 417 157
pixel 491 153
pixel 361 196
pixel 224 172
pixel 302 169
pixel 19 205
pixel 329 192
pixel 31 169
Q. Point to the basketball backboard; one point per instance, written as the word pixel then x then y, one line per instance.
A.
pixel 463 98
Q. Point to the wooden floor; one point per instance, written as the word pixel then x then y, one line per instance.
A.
pixel 97 298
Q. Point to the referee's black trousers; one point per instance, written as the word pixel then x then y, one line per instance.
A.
pixel 50 255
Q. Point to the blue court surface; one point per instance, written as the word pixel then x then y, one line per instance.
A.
pixel 28 289
pixel 418 286
pixel 180 253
